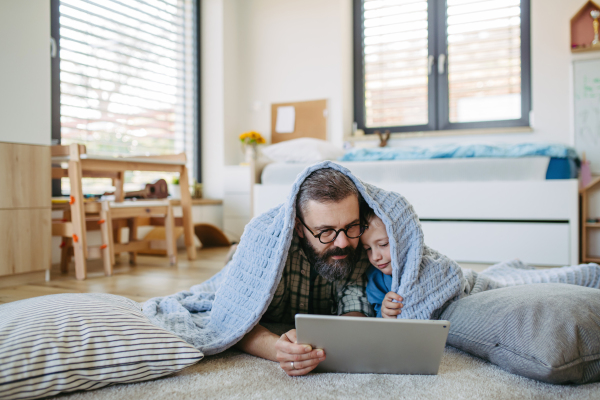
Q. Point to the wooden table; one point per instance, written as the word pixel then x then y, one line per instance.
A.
pixel 82 165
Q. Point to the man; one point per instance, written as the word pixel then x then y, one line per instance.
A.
pixel 323 274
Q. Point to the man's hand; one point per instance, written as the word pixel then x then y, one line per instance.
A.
pixel 297 359
pixel 390 309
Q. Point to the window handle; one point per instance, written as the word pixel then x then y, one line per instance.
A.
pixel 53 47
pixel 430 61
pixel 441 64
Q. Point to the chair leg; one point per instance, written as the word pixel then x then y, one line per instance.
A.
pixel 132 224
pixel 66 254
pixel 111 238
pixel 170 236
pixel 117 227
pixel 107 244
pixel 80 261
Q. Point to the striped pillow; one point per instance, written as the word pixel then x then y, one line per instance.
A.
pixel 68 342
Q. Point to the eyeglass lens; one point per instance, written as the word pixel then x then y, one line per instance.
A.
pixel 329 235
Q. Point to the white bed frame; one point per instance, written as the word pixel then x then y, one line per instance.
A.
pixel 483 222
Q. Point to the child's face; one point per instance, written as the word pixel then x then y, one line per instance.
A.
pixel 375 242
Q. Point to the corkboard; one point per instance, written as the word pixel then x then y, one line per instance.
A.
pixel 311 121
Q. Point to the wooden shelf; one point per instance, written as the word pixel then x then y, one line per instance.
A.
pixel 594 182
pixel 584 49
pixel 592 224
pixel 582 30
pixel 594 260
pixel 198 202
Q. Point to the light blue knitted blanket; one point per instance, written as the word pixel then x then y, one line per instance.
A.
pixel 216 314
pixel 515 272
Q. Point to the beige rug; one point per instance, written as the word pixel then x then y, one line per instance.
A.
pixel 235 375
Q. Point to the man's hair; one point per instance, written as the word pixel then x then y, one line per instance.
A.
pixel 325 185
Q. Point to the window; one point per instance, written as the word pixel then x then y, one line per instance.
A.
pixel 128 80
pixel 437 65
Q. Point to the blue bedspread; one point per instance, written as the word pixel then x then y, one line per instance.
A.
pixel 460 151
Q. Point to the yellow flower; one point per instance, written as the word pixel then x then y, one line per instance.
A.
pixel 252 137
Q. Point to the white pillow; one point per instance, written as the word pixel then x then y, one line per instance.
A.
pixel 303 150
pixel 68 342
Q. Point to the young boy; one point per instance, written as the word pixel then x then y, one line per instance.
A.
pixel 376 244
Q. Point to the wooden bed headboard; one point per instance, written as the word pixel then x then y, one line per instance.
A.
pixel 311 121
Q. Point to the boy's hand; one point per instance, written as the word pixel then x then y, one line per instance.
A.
pixel 389 309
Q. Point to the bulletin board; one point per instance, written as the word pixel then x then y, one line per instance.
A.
pixel 310 121
pixel 586 76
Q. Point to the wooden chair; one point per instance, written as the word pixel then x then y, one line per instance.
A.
pixel 107 216
pixel 94 220
pixel 131 211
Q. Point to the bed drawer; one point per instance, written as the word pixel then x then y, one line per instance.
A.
pixel 492 242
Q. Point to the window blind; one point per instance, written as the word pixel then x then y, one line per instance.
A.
pixel 451 64
pixel 128 78
pixel 484 60
pixel 395 62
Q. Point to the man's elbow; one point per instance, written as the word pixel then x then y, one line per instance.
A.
pixel 354 314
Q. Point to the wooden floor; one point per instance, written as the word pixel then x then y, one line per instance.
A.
pixel 151 277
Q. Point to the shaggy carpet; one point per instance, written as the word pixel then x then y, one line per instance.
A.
pixel 236 375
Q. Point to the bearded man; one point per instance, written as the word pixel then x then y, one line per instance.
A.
pixel 324 271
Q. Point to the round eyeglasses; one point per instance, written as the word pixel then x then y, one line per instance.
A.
pixel 329 235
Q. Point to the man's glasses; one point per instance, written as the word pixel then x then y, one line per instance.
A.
pixel 329 235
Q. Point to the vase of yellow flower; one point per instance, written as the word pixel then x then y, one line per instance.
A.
pixel 249 142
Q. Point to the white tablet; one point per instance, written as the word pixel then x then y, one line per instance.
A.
pixel 374 345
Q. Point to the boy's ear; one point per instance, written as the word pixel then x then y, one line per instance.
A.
pixel 298 228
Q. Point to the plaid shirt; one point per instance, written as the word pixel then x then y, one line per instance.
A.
pixel 294 295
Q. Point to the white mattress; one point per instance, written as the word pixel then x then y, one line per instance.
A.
pixel 435 170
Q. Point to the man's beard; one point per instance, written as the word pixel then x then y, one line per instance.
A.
pixel 329 268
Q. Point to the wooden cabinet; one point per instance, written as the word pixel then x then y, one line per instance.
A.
pixel 24 176
pixel 25 209
pixel 588 222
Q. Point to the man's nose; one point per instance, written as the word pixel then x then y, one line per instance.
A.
pixel 341 240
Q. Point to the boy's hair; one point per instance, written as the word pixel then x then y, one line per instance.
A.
pixel 366 213
pixel 325 186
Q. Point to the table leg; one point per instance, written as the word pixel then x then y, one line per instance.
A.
pixel 186 207
pixel 170 236
pixel 119 191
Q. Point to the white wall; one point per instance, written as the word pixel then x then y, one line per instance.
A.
pixel 25 103
pixel 212 98
pixel 294 50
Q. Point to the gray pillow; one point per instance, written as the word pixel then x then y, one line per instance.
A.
pixel 548 331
